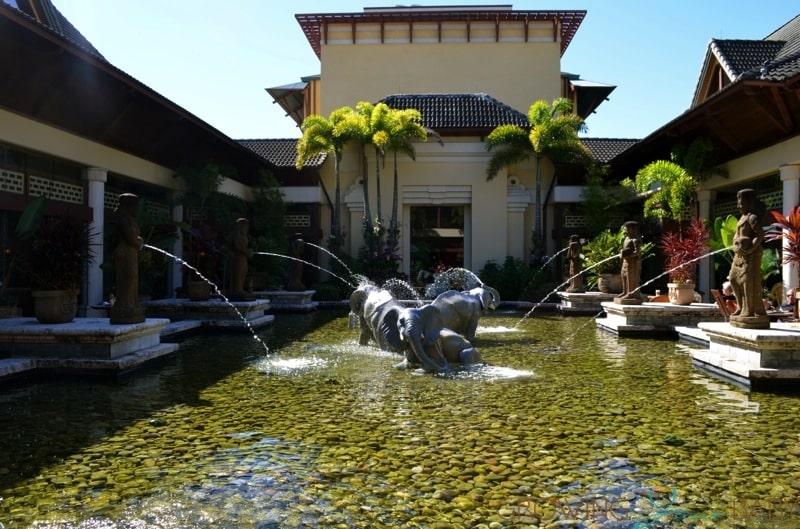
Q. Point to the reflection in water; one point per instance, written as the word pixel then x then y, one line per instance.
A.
pixel 325 433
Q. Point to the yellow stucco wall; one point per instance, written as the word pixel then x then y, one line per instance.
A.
pixel 515 73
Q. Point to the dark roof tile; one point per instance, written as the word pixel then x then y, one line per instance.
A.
pixel 459 111
pixel 280 152
pixel 605 149
pixel 741 56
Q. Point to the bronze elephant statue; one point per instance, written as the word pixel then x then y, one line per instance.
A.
pixel 461 310
pixel 431 345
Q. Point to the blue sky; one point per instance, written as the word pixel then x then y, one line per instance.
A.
pixel 215 59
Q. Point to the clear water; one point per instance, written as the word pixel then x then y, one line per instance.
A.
pixel 569 425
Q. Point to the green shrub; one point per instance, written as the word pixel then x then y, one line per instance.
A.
pixel 515 279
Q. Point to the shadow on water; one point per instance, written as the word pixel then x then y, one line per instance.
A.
pixel 49 418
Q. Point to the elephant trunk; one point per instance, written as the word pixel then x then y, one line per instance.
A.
pixel 412 334
pixel 495 301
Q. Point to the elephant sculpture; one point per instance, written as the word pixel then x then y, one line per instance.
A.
pixel 416 333
pixel 432 345
pixel 461 310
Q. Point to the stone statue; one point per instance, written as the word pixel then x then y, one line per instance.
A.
pixel 574 251
pixel 745 275
pixel 295 282
pixel 239 255
pixel 631 255
pixel 126 309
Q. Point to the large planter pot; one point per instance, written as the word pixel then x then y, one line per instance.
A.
pixel 198 290
pixel 55 306
pixel 680 293
pixel 609 283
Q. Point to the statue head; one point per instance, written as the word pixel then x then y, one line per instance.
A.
pixel 129 203
pixel 746 199
pixel 242 225
pixel 631 228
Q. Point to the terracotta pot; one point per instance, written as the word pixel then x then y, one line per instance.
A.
pixel 198 291
pixel 55 306
pixel 680 293
pixel 609 283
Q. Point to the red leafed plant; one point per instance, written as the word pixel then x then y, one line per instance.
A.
pixel 788 230
pixel 681 248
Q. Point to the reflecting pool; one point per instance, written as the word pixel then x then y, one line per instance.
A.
pixel 569 427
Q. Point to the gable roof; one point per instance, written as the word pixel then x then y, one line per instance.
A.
pixel 774 58
pixel 281 152
pixel 458 112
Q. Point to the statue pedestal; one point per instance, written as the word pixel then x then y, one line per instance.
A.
pixel 83 346
pixel 289 300
pixel 583 303
pixel 759 359
pixel 125 315
pixel 650 319
pixel 213 313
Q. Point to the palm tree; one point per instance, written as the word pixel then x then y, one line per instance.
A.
pixel 405 127
pixel 320 136
pixel 380 117
pixel 553 133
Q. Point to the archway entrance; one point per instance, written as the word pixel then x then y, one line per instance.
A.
pixel 437 238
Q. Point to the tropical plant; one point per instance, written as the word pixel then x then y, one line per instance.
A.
pixel 668 188
pixel 320 136
pixel 58 253
pixel 405 128
pixel 681 250
pixel 698 157
pixel 599 200
pixel 601 254
pixel 553 134
pixel 787 230
pixel 515 279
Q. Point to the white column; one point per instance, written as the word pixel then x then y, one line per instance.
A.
pixel 790 176
pixel 706 266
pixel 175 272
pixel 517 201
pixel 96 178
pixel 353 199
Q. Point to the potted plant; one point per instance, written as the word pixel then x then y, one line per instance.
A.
pixel 56 256
pixel 681 251
pixel 602 263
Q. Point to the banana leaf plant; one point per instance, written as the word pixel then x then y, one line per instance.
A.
pixel 723 230
pixel 787 230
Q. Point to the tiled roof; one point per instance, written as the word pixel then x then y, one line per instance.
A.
pixel 280 152
pixel 458 111
pixel 775 58
pixel 789 34
pixel 605 149
pixel 57 23
pixel 741 56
